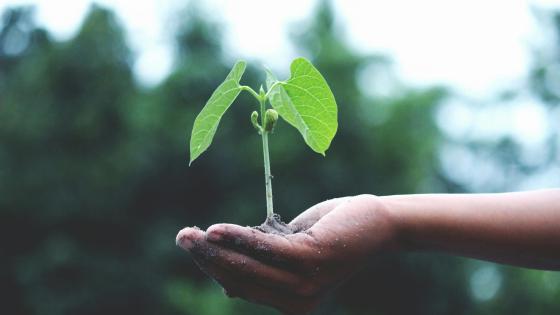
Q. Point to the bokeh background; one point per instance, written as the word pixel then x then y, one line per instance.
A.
pixel 94 181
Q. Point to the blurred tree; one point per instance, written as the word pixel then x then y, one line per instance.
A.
pixel 544 81
pixel 529 291
pixel 508 163
pixel 64 167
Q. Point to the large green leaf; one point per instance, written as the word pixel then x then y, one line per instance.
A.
pixel 207 121
pixel 306 102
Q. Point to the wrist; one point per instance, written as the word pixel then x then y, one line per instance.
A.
pixel 396 209
pixel 386 224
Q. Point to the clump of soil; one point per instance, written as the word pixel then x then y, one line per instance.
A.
pixel 275 225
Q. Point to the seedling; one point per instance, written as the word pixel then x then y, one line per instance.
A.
pixel 305 101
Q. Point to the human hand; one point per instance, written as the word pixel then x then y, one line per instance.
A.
pixel 292 272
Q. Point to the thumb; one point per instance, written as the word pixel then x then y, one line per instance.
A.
pixel 310 216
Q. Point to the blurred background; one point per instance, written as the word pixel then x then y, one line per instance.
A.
pixel 97 102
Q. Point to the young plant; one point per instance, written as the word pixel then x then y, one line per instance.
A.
pixel 305 101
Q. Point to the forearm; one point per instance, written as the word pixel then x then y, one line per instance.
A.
pixel 514 228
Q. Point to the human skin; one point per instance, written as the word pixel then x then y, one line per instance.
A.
pixel 336 237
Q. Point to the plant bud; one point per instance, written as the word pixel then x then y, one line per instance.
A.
pixel 254 121
pixel 270 118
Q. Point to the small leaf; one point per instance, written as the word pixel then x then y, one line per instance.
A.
pixel 206 123
pixel 306 102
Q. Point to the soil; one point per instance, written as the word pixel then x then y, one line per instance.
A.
pixel 275 225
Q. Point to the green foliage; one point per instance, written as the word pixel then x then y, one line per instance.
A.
pixel 307 103
pixel 206 123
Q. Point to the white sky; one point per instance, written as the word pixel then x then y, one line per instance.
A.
pixel 473 46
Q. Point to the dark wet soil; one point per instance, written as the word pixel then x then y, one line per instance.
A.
pixel 275 225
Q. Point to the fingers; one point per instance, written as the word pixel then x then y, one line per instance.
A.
pixel 223 262
pixel 352 214
pixel 285 296
pixel 247 278
pixel 287 251
pixel 187 236
pixel 307 218
pixel 298 250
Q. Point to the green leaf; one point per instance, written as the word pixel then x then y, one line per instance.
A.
pixel 306 102
pixel 206 123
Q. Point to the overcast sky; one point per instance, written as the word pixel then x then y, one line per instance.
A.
pixel 474 46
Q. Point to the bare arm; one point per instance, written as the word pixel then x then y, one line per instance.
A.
pixel 513 228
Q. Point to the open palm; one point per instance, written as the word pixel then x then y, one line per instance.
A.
pixel 292 272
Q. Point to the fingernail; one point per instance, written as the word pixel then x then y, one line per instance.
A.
pixel 183 241
pixel 214 235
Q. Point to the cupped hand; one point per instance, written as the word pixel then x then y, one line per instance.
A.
pixel 292 272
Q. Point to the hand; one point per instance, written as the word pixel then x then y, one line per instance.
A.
pixel 291 273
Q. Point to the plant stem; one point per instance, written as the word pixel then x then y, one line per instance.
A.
pixel 266 156
pixel 250 90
